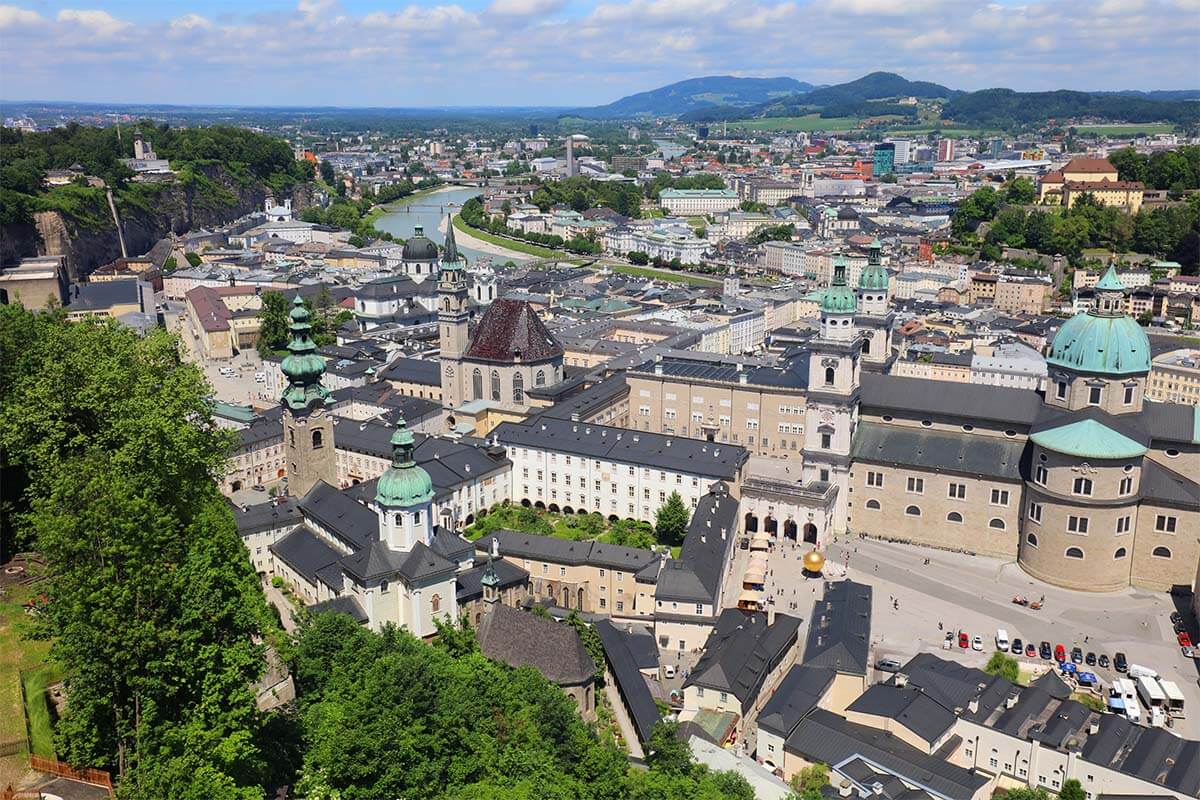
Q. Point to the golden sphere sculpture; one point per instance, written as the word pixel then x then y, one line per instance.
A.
pixel 813 561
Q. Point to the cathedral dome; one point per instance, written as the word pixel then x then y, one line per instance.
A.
pixel 404 484
pixel 874 278
pixel 419 247
pixel 839 298
pixel 1103 341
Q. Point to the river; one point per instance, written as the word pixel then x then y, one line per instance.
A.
pixel 429 211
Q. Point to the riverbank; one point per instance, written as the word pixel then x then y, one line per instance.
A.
pixel 497 246
pixel 387 208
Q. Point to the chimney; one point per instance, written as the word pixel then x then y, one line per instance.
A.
pixel 495 547
pixel 973 705
pixel 901 680
pixel 845 788
pixel 1094 727
pixel 658 370
pixel 743 378
pixel 877 788
pixel 1010 701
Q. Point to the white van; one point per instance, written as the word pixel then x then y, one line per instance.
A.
pixel 1138 671
pixel 1002 640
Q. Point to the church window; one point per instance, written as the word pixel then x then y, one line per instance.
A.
pixel 913 511
pixel 1082 486
pixel 318 439
pixel 1074 552
pixel 540 378
pixel 1094 395
pixel 873 505
pixel 826 441
pixel 495 385
pixel 435 603
pixel 1060 390
pixel 1129 394
pixel 1126 485
pixel 1161 552
pixel 446 304
pixel 1077 524
pixel 996 523
pixel 1031 539
pixel 383 587
pixel 416 518
pixel 1164 523
pixel 518 388
pixel 866 347
pixel 954 516
pixel 1121 552
pixel 399 519
pixel 829 373
pixel 1040 475
pixel 477 384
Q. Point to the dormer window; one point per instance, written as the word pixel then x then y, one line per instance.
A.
pixel 1061 390
pixel 1095 393
pixel 1129 393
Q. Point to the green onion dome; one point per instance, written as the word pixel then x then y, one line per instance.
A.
pixel 839 298
pixel 302 366
pixel 1104 340
pixel 404 484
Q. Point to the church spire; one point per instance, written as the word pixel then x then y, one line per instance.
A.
pixel 302 366
pixel 450 253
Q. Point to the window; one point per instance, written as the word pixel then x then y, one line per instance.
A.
pixel 1164 524
pixel 1095 393
pixel 724 696
pixel 383 587
pixel 495 385
pixel 829 374
pixel 603 603
pixel 699 608
pixel 1161 552
pixel 318 439
pixel 875 479
pixel 435 603
pixel 996 523
pixel 1077 524
pixel 1040 475
pixel 1119 554
pixel 540 378
pixel 826 440
pixel 1031 540
pixel 1129 390
pixel 1074 552
pixel 999 497
pixel 913 511
pixel 1123 525
pixel 873 505
pixel 1126 486
pixel 916 485
pixel 954 516
pixel 958 491
pixel 477 384
pixel 1082 486
pixel 1060 391
pixel 518 388
pixel 699 691
pixel 1035 512
pixel 926 423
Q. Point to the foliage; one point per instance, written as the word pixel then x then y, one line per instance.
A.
pixel 580 193
pixel 1019 191
pixel 490 230
pixel 1178 170
pixel 1022 793
pixel 1004 666
pixel 664 180
pixel 1004 108
pixel 671 522
pixel 812 777
pixel 1072 789
pixel 327 173
pixel 272 323
pixel 772 233
pixel 638 257
pixel 154 606
pixel 591 640
pixel 673 774
pixel 324 314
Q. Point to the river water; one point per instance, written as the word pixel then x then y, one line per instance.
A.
pixel 430 211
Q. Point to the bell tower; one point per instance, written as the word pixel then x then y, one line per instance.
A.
pixel 874 318
pixel 404 497
pixel 307 422
pixel 453 314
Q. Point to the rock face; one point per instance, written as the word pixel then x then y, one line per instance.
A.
pixel 176 209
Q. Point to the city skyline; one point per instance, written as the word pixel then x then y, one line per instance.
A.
pixel 567 53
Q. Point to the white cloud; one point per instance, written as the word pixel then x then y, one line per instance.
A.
pixel 189 22
pixel 525 8
pixel 100 23
pixel 11 17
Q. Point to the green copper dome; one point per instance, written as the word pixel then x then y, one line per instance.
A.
pixel 1104 341
pixel 1088 438
pixel 403 484
pixel 839 298
pixel 302 366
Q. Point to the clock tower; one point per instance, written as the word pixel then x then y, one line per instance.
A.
pixel 453 314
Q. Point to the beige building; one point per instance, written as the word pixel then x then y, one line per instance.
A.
pixel 35 283
pixel 1093 176
pixel 222 320
pixel 1175 377
pixel 1023 294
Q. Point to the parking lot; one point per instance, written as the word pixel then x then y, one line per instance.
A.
pixel 974 594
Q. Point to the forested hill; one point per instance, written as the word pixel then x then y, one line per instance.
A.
pixel 1004 107
pixel 221 173
pixel 694 93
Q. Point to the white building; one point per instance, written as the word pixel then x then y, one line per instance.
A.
pixel 697 202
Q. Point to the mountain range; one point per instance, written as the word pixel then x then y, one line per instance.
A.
pixel 714 91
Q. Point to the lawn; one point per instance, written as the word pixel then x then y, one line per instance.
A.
pixel 572 527
pixel 37 706
pixel 809 122
pixel 508 244
pixel 1128 129
pixel 17 653
pixel 663 275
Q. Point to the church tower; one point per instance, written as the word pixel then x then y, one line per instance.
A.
pixel 833 388
pixel 404 497
pixel 453 314
pixel 307 422
pixel 732 285
pixel 874 317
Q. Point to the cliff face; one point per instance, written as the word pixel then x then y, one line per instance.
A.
pixel 174 209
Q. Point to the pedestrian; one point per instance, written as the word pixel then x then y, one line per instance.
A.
pixel 939 626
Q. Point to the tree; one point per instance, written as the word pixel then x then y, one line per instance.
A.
pixel 193 259
pixel 666 752
pixel 170 264
pixel 1019 191
pixel 671 522
pixel 1004 666
pixel 327 173
pixel 272 323
pixel 1072 789
pixel 638 257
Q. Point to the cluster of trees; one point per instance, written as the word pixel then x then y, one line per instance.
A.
pixel 384 715
pixel 109 458
pixel 664 180
pixel 325 315
pixel 772 233
pixel 1171 232
pixel 642 259
pixel 1005 108
pixel 1176 170
pixel 472 213
pixel 580 193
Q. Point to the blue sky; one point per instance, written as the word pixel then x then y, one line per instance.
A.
pixel 571 52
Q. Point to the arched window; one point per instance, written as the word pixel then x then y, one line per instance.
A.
pixel 1121 552
pixel 495 385
pixel 540 378
pixel 398 519
pixel 1031 540
pixel 829 373
pixel 913 511
pixel 445 301
pixel 866 348
pixel 383 587
pixel 518 388
pixel 997 523
pixel 1074 552
pixel 477 385
pixel 318 439
pixel 1161 552
pixel 873 504
pixel 954 516
pixel 435 603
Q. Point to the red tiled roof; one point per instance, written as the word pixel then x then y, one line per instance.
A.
pixel 210 309
pixel 1089 165
pixel 512 329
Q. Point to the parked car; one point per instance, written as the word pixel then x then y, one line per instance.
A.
pixel 1044 650
pixel 1031 650
pixel 948 642
pixel 1017 647
pixel 977 642
pixel 1060 653
pixel 1090 659
pixel 964 641
pixel 669 671
pixel 1120 664
pixel 1188 652
pixel 1104 660
pixel 1176 617
pixel 1076 655
pixel 888 665
pixel 1185 640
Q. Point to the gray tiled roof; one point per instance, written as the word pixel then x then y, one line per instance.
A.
pixel 352 522
pixel 281 513
pixel 839 634
pixel 908 706
pixel 990 456
pixel 797 694
pixel 1155 755
pixel 619 652
pixel 303 551
pixel 696 575
pixel 562 551
pixel 1161 484
pixel 519 638
pixel 469 583
pixel 741 651
pixel 926 398
pixel 345 604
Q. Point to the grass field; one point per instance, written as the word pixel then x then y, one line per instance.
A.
pixel 508 244
pixel 37 705
pixel 670 277
pixel 1129 129
pixel 17 653
pixel 809 122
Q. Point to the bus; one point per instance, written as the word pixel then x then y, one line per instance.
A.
pixel 1151 693
pixel 1174 698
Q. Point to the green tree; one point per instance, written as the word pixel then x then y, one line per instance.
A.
pixel 638 257
pixel 327 173
pixel 1072 789
pixel 671 521
pixel 272 323
pixel 1019 191
pixel 193 259
pixel 1004 666
pixel 170 264
pixel 666 752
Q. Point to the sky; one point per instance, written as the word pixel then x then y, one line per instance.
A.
pixel 571 52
